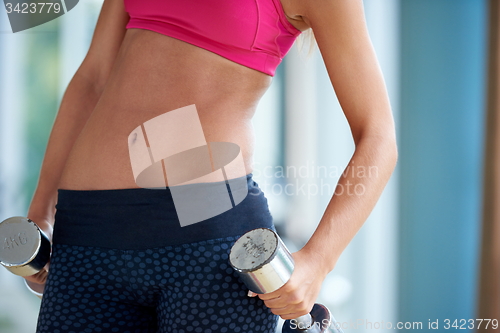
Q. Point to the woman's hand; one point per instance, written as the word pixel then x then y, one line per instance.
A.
pixel 35 288
pixel 298 295
pixel 40 277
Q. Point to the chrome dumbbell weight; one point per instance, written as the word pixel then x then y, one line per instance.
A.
pixel 24 248
pixel 264 264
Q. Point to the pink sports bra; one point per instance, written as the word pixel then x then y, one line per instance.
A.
pixel 253 33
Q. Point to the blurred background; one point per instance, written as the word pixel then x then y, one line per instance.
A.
pixel 417 258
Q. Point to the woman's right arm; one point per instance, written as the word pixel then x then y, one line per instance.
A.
pixel 77 104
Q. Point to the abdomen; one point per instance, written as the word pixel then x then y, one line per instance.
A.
pixel 154 74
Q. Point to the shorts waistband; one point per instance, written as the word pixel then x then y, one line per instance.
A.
pixel 140 218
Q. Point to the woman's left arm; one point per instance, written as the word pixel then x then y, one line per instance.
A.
pixel 342 37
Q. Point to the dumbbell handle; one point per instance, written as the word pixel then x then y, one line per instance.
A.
pixel 265 264
pixel 272 277
pixel 304 321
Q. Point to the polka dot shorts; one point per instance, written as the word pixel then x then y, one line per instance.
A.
pixel 187 288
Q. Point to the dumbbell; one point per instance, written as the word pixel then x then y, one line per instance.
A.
pixel 264 264
pixel 24 249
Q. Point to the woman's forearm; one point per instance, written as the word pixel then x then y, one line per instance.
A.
pixel 356 194
pixel 78 102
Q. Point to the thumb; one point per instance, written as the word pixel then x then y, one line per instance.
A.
pixel 251 294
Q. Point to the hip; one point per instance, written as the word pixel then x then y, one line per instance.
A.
pixel 141 218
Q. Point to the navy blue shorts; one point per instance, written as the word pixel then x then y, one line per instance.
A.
pixel 121 262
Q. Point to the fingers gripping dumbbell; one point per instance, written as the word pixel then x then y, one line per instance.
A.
pixel 24 248
pixel 264 264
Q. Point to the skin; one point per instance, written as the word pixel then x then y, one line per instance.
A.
pixel 130 76
pixel 342 37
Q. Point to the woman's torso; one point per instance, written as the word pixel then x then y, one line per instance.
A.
pixel 154 74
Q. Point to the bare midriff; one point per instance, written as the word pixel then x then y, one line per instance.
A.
pixel 154 74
